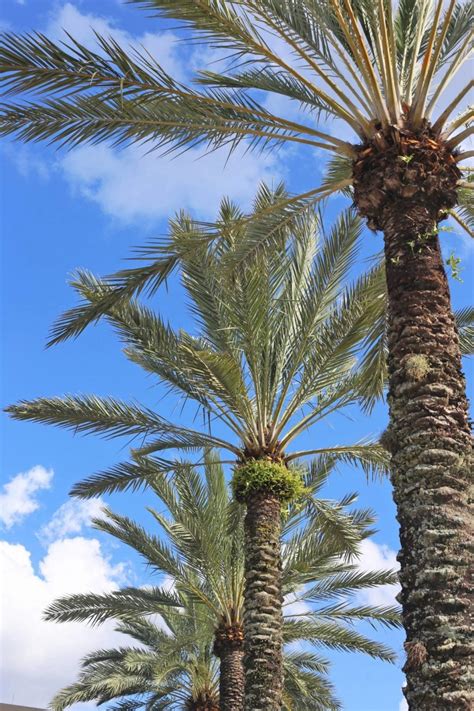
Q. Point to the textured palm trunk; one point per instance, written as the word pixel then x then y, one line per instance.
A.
pixel 232 677
pixel 229 647
pixel 430 441
pixel 263 604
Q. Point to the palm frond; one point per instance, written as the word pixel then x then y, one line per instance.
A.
pixel 334 636
pixel 372 458
pixel 121 604
pixel 125 476
pixel 111 418
pixel 362 62
pixel 465 324
pixel 200 548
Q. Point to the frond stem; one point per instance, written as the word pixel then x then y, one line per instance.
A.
pixel 460 137
pixel 441 120
pixel 305 422
pixel 464 156
pixel 393 104
pixel 460 58
pixel 362 121
pixel 463 119
pixel 456 216
pixel 421 26
pixel 360 50
pixel 430 61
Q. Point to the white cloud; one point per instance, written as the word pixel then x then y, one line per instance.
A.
pixel 18 499
pixel 39 657
pixel 68 18
pixel 70 518
pixel 164 46
pixel 403 705
pixel 131 184
pixel 374 556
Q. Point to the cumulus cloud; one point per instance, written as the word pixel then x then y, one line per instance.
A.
pixel 131 184
pixel 374 556
pixel 39 657
pixel 70 518
pixel 18 498
pixel 26 161
pixel 403 705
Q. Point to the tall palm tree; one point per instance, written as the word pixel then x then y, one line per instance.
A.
pixel 200 550
pixel 385 74
pixel 176 671
pixel 172 667
pixel 274 352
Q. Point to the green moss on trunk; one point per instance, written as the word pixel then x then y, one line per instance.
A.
pixel 264 476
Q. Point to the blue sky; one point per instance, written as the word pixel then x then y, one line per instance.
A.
pixel 87 208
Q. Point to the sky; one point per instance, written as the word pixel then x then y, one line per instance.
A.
pixel 87 208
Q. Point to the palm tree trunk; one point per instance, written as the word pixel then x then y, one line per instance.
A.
pixel 263 619
pixel 229 647
pixel 429 438
pixel 232 677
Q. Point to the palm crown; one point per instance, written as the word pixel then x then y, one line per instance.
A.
pixel 277 350
pixel 169 667
pixel 200 550
pixel 275 353
pixel 176 670
pixel 359 62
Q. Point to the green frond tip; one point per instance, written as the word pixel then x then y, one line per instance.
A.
pixel 263 476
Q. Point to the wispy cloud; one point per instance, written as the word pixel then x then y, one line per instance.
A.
pixel 133 185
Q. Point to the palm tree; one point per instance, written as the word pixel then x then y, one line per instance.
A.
pixel 177 672
pixel 200 550
pixel 383 73
pixel 275 351
pixel 172 667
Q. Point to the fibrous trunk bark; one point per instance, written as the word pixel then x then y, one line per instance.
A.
pixel 430 441
pixel 229 647
pixel 263 617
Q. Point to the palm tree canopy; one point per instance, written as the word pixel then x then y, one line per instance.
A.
pixel 276 348
pixel 365 64
pixel 170 666
pixel 173 668
pixel 200 551
pixel 281 342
